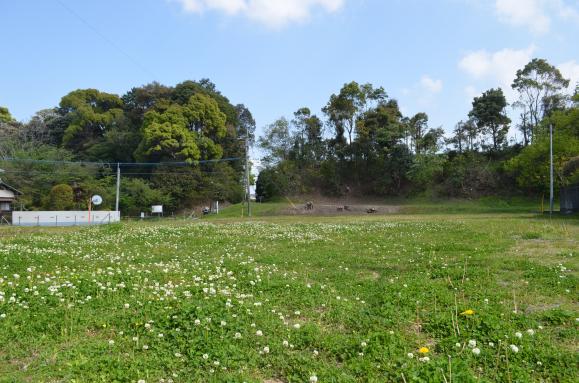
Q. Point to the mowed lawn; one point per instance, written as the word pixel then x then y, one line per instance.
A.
pixel 401 298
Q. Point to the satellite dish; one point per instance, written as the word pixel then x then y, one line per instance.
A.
pixel 96 200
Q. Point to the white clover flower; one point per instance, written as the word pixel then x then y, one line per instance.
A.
pixel 491 344
pixel 237 335
pixel 472 343
pixel 514 348
pixel 160 335
pixel 111 342
pixel 297 312
pixel 541 327
pixel 316 352
pixel 197 322
pixel 539 363
pixel 178 355
pixel 363 344
pixel 141 381
pixel 259 333
pixel 223 323
pixel 205 356
pixel 457 345
pixel 145 347
pixel 216 363
pixel 126 305
pixel 518 335
pixel 285 343
pixel 135 339
pixel 531 332
pixel 424 359
pixel 410 355
pixel 476 351
pixel 313 379
pixel 297 326
pixel 266 350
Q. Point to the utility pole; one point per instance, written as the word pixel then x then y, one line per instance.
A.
pixel 551 196
pixel 248 193
pixel 118 187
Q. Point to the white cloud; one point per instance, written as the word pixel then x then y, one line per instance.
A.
pixel 536 15
pixel 272 13
pixel 527 13
pixel 498 67
pixel 431 85
pixel 570 70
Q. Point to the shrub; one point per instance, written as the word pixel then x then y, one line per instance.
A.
pixel 60 198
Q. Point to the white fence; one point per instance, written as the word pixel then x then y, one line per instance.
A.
pixel 64 218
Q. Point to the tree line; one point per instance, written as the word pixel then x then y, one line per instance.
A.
pixel 191 123
pixel 362 144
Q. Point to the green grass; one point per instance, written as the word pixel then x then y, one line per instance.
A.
pixel 345 299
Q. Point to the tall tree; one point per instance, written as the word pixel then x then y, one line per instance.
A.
pixel 90 114
pixel 539 85
pixel 418 125
pixel 5 115
pixel 276 142
pixel 488 111
pixel 460 137
pixel 345 108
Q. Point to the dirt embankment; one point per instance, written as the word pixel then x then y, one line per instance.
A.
pixel 326 206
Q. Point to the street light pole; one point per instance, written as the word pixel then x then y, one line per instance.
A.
pixel 248 193
pixel 551 194
pixel 118 187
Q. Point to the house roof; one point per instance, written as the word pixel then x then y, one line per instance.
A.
pixel 5 185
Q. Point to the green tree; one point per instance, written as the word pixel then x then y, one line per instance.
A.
pixel 276 142
pixel 488 111
pixel 5 115
pixel 137 196
pixel 417 126
pixel 90 114
pixel 539 85
pixel 344 109
pixel 61 197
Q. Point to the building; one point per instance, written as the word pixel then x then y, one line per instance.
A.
pixel 8 196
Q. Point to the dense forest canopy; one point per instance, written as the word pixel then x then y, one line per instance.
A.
pixel 192 124
pixel 360 144
pixel 371 148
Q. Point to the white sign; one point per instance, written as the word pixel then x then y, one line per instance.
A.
pixel 97 200
pixel 157 209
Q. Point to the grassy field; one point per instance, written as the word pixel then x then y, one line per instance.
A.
pixel 405 298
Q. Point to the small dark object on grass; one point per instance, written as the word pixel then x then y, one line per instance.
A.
pixel 371 211
pixel 340 208
pixel 309 205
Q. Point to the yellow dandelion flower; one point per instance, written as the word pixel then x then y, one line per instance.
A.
pixel 467 312
pixel 423 350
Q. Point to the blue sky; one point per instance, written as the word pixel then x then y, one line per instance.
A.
pixel 276 56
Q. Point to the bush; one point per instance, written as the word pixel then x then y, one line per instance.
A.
pixel 61 197
pixel 138 196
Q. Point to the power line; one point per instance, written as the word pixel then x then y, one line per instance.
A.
pixel 105 38
pixel 124 164
pixel 78 172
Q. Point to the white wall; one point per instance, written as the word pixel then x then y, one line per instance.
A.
pixel 63 218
